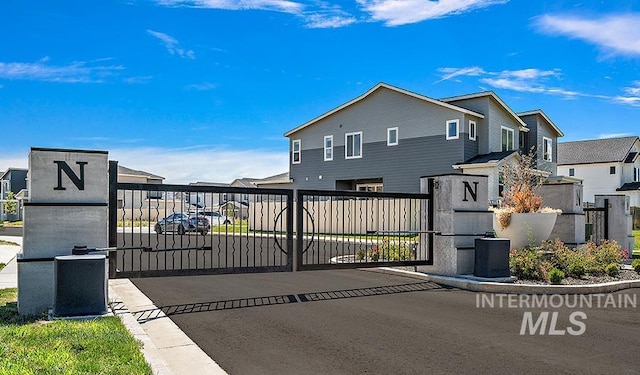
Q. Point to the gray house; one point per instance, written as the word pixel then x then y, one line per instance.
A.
pixel 387 138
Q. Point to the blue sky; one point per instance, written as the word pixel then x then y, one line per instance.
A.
pixel 203 90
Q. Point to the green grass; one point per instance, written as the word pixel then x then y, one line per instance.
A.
pixel 636 244
pixel 12 223
pixel 31 346
pixel 2 242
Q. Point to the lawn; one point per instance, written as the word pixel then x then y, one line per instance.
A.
pixel 636 244
pixel 32 346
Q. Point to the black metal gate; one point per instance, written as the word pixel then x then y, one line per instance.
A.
pixel 596 222
pixel 252 229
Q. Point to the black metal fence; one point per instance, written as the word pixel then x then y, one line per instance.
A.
pixel 249 230
pixel 346 229
pixel 596 222
pixel 154 231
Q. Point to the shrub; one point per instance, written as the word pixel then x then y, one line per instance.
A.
pixel 612 269
pixel 556 276
pixel 576 269
pixel 527 263
pixel 636 265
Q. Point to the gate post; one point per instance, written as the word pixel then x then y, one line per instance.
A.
pixel 570 226
pixel 67 206
pixel 618 220
pixel 460 216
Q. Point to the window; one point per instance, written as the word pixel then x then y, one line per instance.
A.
pixel 507 139
pixel 452 129
pixel 392 136
pixel 328 147
pixel 472 130
pixel 612 170
pixel 353 145
pixel 377 187
pixel 296 152
pixel 547 146
pixel 572 172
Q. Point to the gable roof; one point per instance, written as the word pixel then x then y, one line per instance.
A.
pixel 490 159
pixel 122 170
pixel 389 87
pixel 629 186
pixel 545 117
pixel 9 170
pixel 523 125
pixel 607 150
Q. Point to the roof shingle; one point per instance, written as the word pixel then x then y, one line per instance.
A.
pixel 595 150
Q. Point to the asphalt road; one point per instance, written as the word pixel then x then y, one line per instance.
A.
pixel 355 322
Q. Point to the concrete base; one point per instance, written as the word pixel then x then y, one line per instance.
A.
pixel 569 228
pixel 35 287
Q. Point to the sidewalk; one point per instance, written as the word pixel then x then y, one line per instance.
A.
pixel 166 348
pixel 9 274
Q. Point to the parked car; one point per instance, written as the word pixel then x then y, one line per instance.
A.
pixel 183 223
pixel 215 218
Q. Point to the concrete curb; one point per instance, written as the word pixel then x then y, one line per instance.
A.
pixel 166 348
pixel 493 287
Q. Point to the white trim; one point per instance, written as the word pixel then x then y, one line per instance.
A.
pixel 475 130
pixel 387 86
pixel 389 130
pixel 544 116
pixel 513 140
pixel 325 148
pixel 294 152
pixel 495 97
pixel 446 129
pixel 346 145
pixel 544 144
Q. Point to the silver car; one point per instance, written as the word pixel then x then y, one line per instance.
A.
pixel 183 223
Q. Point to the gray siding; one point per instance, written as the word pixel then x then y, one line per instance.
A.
pixel 490 137
pixel 540 129
pixel 382 109
pixel 400 167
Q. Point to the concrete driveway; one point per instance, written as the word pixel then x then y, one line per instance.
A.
pixel 353 322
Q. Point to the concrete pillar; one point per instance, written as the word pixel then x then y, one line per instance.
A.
pixel 569 227
pixel 461 215
pixel 68 199
pixel 620 220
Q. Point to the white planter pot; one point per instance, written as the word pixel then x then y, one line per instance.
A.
pixel 527 228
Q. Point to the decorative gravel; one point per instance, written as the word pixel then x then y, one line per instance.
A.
pixel 625 275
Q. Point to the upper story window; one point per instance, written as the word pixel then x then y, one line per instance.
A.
pixel 353 145
pixel 472 130
pixel 507 139
pixel 572 172
pixel 547 147
pixel 453 130
pixel 392 136
pixel 296 153
pixel 612 170
pixel 328 147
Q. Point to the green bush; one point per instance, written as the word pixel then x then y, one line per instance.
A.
pixel 576 269
pixel 612 269
pixel 556 276
pixel 527 263
pixel 636 265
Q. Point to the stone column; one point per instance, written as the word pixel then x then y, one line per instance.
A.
pixel 620 223
pixel 68 204
pixel 461 215
pixel 569 227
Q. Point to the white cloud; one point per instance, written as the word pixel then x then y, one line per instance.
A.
pixel 182 166
pixel 323 21
pixel 614 135
pixel 449 73
pixel 202 86
pixel 616 34
pixel 172 45
pixel 76 72
pixel 272 5
pixel 402 12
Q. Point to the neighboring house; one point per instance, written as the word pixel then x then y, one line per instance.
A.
pixel 13 180
pixel 606 166
pixel 387 138
pixel 144 203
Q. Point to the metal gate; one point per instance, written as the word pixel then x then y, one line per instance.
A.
pixel 154 229
pixel 596 222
